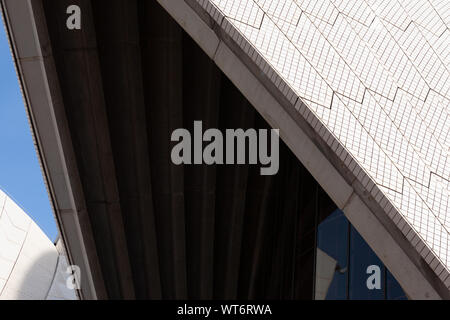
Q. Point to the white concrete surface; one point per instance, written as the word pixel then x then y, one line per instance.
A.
pixel 31 268
pixel 40 87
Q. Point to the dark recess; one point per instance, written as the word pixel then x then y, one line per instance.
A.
pixel 128 79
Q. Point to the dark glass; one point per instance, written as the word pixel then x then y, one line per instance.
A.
pixel 332 239
pixel 361 257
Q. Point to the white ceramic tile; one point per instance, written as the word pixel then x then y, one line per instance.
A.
pixel 373 78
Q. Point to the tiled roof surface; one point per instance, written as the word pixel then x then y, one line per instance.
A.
pixel 376 74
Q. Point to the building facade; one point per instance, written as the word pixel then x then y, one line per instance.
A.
pixel 359 91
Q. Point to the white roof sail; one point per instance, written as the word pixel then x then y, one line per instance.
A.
pixel 373 79
pixel 31 267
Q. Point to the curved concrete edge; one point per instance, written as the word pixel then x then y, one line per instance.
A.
pixel 409 268
pixel 30 44
pixel 415 281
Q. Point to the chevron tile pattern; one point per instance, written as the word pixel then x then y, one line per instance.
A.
pixel 373 79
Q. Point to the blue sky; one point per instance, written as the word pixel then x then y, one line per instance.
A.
pixel 20 173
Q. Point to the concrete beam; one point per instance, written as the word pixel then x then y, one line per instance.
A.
pixel 310 149
pixel 27 30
